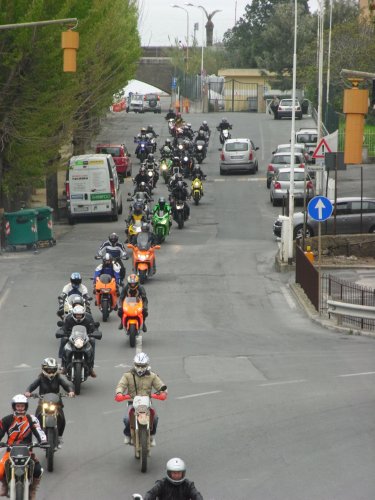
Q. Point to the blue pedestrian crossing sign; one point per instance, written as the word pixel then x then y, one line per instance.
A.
pixel 320 208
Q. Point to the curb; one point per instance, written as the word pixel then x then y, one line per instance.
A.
pixel 3 283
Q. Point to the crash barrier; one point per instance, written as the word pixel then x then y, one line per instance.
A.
pixel 308 277
pixel 351 304
pixel 28 227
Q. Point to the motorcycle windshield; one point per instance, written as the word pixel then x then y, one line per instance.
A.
pixel 79 332
pixel 51 397
pixel 19 451
pixel 143 242
pixel 105 278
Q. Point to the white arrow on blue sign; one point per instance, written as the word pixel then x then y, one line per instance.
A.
pixel 320 208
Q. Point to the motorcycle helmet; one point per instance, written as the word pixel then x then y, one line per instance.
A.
pixel 168 142
pixel 145 228
pixel 78 314
pixel 75 280
pixel 201 133
pixel 180 185
pixel 49 367
pixel 188 126
pixel 133 281
pixel 76 300
pixel 224 120
pixel 161 203
pixel 138 206
pixel 179 177
pixel 204 123
pixel 141 363
pixel 150 127
pixel 142 169
pixel 107 260
pixel 176 470
pixel 20 399
pixel 113 238
pixel 143 130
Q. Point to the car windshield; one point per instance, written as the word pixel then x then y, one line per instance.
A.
pixel 288 102
pixel 285 176
pixel 236 146
pixel 110 151
pixel 284 159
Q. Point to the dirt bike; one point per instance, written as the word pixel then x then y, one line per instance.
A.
pixel 106 294
pixel 141 416
pixel 19 469
pixel 49 404
pixel 132 317
pixel 80 352
pixel 143 257
pixel 196 190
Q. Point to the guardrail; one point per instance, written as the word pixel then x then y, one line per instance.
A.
pixel 342 310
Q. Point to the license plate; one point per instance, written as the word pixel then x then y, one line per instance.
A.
pixel 236 157
pixel 81 209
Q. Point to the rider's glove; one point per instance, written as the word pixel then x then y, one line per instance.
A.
pixel 121 397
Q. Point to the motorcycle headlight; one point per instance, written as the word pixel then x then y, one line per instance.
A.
pixel 150 174
pixel 45 405
pixel 78 343
pixel 52 407
pixel 200 147
pixel 164 167
pixel 180 146
pixel 186 158
pixel 196 185
pixel 141 256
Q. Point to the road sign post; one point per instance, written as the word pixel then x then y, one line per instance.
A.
pixel 320 209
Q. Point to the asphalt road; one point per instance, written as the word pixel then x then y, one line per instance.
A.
pixel 262 403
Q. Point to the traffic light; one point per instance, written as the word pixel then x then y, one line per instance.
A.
pixel 355 108
pixel 70 44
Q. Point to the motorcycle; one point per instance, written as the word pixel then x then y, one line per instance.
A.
pixel 19 469
pixel 197 190
pixel 141 416
pixel 161 223
pixel 143 257
pixel 49 404
pixel 178 212
pixel 133 230
pixel 141 150
pixel 165 169
pixel 187 166
pixel 224 135
pixel 132 317
pixel 106 294
pixel 79 345
pixel 200 151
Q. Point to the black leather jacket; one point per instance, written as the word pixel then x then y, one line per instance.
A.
pixel 165 490
pixel 129 292
pixel 87 322
pixel 47 385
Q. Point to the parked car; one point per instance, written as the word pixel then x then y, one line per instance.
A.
pixel 121 157
pixel 280 185
pixel 285 109
pixel 353 216
pixel 282 160
pixel 238 155
pixel 151 102
pixel 135 103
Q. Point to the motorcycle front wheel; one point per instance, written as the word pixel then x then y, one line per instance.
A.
pixel 19 490
pixel 51 438
pixel 196 198
pixel 180 220
pixel 132 335
pixel 77 378
pixel 143 444
pixel 142 276
pixel 105 309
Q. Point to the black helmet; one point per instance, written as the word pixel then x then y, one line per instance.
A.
pixel 138 208
pixel 142 187
pixel 113 238
pixel 150 157
pixel 142 169
pixel 161 202
pixel 224 120
pixel 75 279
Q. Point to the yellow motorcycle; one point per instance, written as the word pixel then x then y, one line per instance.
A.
pixel 133 230
pixel 196 190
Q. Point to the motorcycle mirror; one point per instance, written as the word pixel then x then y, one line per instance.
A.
pixel 59 335
pixel 97 335
pixel 60 323
pixel 157 247
pixel 97 257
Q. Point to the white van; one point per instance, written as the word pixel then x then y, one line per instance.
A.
pixel 92 187
pixel 309 137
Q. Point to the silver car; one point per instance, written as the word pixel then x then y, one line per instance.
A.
pixel 353 216
pixel 280 186
pixel 282 160
pixel 238 155
pixel 298 148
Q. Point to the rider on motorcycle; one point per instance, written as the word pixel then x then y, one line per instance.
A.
pixel 20 428
pixel 162 206
pixel 118 251
pixel 82 318
pixel 175 484
pixel 180 191
pixel 170 115
pixel 167 149
pixel 140 177
pixel 197 172
pixel 140 380
pixel 49 381
pixel 75 287
pixel 179 120
pixel 224 125
pixel 133 289
pixel 205 128
pixel 107 267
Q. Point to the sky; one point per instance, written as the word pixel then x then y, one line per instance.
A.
pixel 161 24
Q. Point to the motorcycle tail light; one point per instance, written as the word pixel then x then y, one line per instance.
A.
pixel 301 165
pixel 67 189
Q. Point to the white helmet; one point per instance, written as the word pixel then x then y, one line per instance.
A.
pixel 176 465
pixel 78 313
pixel 49 367
pixel 20 399
pixel 141 363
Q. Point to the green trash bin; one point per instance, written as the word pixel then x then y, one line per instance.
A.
pixel 45 224
pixel 21 228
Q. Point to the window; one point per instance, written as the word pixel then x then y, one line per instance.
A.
pixel 343 208
pixel 236 146
pixel 367 207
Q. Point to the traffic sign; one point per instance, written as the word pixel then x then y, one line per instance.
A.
pixel 321 149
pixel 320 208
pixel 174 82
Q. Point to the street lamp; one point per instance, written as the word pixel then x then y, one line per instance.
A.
pixel 189 4
pixel 175 6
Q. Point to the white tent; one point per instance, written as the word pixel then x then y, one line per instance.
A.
pixel 136 86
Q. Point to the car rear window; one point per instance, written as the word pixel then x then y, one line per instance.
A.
pixel 307 138
pixel 110 151
pixel 285 176
pixel 285 159
pixel 236 146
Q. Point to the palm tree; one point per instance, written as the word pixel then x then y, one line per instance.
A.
pixel 209 26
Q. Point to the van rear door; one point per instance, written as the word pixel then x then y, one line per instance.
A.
pixel 79 184
pixel 100 187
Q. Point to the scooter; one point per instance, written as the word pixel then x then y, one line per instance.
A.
pixel 197 190
pixel 106 294
pixel 143 257
pixel 132 317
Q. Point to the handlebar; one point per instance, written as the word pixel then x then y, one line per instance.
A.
pixel 161 396
pixel 29 446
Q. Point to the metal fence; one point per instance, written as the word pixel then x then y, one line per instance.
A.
pixel 369 141
pixel 345 291
pixel 236 96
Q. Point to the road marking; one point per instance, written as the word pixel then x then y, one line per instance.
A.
pixel 122 365
pixel 4 296
pixel 22 365
pixel 288 297
pixel 283 383
pixel 355 374
pixel 198 395
pixel 138 344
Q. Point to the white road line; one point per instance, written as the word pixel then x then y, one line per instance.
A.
pixel 198 395
pixel 355 374
pixel 283 383
pixel 138 344
pixel 288 297
pixel 4 296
